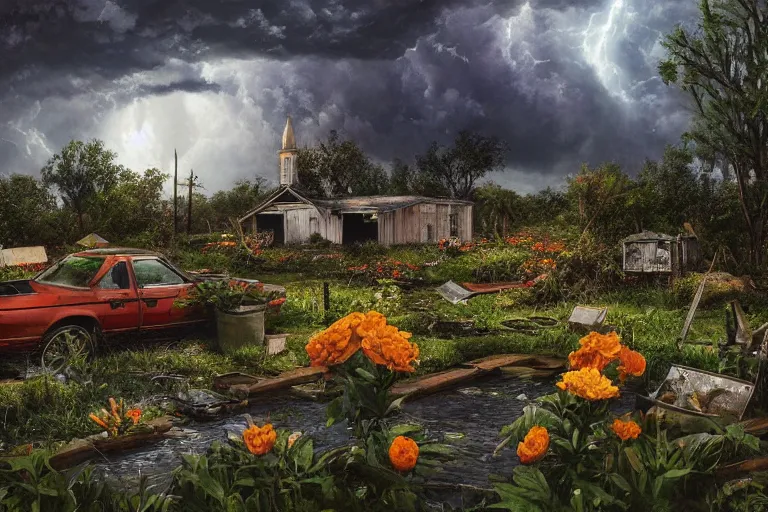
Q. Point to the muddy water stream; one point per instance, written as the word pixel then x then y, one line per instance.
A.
pixel 468 418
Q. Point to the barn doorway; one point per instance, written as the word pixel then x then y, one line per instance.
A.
pixel 273 222
pixel 359 228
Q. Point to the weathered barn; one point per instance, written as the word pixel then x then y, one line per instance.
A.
pixel 655 253
pixel 390 220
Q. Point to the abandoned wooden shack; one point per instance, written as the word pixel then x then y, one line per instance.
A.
pixel 657 253
pixel 390 220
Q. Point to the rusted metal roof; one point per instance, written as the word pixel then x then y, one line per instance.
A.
pixel 648 236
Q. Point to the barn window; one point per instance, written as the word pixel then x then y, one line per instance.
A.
pixel 454 221
pixel 430 233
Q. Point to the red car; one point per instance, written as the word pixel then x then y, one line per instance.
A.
pixel 66 308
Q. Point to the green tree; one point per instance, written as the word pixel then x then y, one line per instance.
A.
pixel 497 209
pixel 723 66
pixel 134 208
pixel 454 171
pixel 401 178
pixel 603 200
pixel 28 212
pixel 245 195
pixel 80 172
pixel 338 168
pixel 669 192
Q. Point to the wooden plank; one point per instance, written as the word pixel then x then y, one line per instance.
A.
pixel 744 467
pixel 283 381
pixel 491 287
pixel 495 362
pixel 436 382
pixel 227 380
pixel 84 449
pixel 756 426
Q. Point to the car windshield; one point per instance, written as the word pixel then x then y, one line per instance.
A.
pixel 76 271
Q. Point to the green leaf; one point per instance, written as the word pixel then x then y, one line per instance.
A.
pixel 620 482
pixel 404 429
pixel 365 375
pixel 633 459
pixel 676 473
pixel 395 405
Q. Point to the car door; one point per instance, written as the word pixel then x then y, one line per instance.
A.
pixel 159 286
pixel 118 301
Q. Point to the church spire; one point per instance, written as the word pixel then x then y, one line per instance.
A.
pixel 287 157
pixel 289 140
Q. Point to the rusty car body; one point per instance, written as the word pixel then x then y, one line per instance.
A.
pixel 90 294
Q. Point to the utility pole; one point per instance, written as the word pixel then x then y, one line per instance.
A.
pixel 189 207
pixel 175 193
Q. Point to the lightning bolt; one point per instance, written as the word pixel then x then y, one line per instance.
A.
pixel 595 45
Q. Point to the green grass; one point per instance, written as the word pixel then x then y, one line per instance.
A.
pixel 648 319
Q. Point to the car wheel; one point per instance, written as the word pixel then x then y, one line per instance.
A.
pixel 65 345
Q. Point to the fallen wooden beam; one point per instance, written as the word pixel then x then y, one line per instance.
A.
pixel 491 363
pixel 435 382
pixel 282 381
pixel 745 466
pixel 83 449
pixel 756 426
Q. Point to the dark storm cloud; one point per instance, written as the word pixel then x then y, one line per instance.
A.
pixel 392 74
pixel 184 86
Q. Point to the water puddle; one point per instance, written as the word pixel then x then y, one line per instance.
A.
pixel 468 418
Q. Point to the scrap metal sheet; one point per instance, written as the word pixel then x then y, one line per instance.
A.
pixel 454 293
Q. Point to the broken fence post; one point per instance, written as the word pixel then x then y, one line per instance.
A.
pixel 326 301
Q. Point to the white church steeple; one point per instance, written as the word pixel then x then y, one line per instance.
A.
pixel 288 173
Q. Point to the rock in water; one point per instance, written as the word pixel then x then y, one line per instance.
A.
pixel 522 397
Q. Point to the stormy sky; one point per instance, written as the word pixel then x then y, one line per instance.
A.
pixel 561 81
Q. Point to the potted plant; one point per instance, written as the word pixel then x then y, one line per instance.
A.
pixel 239 307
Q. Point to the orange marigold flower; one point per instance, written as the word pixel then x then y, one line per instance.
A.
pixel 260 440
pixel 371 322
pixel 387 346
pixel 534 446
pixel 597 351
pixel 98 421
pixel 626 429
pixel 403 454
pixel 632 363
pixel 134 415
pixel 588 383
pixel 293 438
pixel 337 343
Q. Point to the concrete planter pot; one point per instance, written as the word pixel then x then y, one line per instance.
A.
pixel 243 327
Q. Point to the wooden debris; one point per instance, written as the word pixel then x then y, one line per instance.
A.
pixel 491 363
pixel 481 288
pixel 745 466
pixel 228 380
pixel 756 426
pixel 83 449
pixel 282 381
pixel 436 382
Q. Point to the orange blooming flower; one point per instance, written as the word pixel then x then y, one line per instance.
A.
pixel 403 454
pixel 632 363
pixel 597 351
pixel 337 343
pixel 534 446
pixel 98 421
pixel 626 429
pixel 372 321
pixel 134 415
pixel 588 383
pixel 387 346
pixel 260 440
